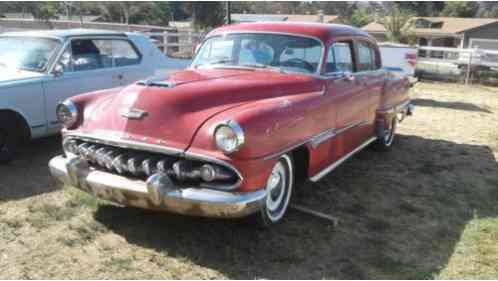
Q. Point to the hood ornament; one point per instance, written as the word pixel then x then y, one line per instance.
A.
pixel 134 113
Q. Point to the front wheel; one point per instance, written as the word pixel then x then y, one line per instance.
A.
pixel 9 143
pixel 279 190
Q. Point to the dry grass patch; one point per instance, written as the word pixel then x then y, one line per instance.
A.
pixel 427 209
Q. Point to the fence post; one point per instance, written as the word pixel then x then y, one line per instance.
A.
pixel 469 65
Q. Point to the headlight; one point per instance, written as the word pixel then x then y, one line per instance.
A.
pixel 229 137
pixel 67 113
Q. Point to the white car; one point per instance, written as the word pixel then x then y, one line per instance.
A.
pixel 399 58
pixel 39 69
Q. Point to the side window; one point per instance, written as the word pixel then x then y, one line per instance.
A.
pixel 88 54
pixel 65 61
pixel 366 57
pixel 124 54
pixel 340 58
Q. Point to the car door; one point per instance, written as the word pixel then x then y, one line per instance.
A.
pixel 348 96
pixel 85 65
pixel 371 78
pixel 128 63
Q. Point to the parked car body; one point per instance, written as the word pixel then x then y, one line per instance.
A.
pixel 399 58
pixel 39 69
pixel 263 106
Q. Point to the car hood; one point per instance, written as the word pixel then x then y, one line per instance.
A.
pixel 10 75
pixel 171 111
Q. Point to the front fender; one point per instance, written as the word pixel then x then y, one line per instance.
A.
pixel 270 126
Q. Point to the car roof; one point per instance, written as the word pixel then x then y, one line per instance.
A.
pixel 321 31
pixel 64 33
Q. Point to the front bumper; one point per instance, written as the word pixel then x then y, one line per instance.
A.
pixel 151 195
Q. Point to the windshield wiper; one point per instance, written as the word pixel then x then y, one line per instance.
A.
pixel 264 66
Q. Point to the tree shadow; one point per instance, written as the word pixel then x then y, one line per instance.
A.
pixel 401 215
pixel 28 174
pixel 450 105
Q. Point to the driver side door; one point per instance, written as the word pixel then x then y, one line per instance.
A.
pixel 87 66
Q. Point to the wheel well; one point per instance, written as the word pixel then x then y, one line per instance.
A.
pixel 301 158
pixel 16 121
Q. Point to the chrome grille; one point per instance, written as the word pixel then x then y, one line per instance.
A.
pixel 122 161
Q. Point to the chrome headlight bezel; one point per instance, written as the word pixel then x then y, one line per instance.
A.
pixel 229 131
pixel 67 113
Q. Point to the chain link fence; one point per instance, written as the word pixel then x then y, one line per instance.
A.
pixel 458 65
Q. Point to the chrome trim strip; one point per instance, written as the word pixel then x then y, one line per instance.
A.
pixel 332 133
pixel 334 165
pixel 130 144
pixel 124 143
pixel 395 108
pixel 316 140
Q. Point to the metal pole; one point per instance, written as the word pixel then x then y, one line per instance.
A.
pixel 228 14
pixel 467 77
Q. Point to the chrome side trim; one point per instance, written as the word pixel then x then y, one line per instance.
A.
pixel 334 165
pixel 395 108
pixel 332 133
pixel 316 140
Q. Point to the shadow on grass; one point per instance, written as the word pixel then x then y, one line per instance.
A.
pixel 28 174
pixel 401 214
pixel 450 105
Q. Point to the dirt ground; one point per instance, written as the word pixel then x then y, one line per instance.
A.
pixel 426 209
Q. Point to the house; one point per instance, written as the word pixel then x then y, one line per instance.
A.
pixel 320 17
pixel 448 32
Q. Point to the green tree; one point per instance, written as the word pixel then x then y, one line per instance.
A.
pixel 399 27
pixel 360 18
pixel 460 9
pixel 207 14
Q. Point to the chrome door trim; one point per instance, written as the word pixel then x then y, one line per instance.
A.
pixel 334 165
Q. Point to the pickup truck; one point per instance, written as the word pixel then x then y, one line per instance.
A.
pixel 39 69
pixel 262 108
pixel 399 58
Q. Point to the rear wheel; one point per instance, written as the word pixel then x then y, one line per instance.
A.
pixel 279 190
pixel 386 137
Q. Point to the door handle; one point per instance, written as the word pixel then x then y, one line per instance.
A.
pixel 120 76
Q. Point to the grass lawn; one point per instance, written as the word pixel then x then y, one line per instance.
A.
pixel 426 209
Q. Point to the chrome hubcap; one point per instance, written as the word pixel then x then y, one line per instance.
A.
pixel 279 189
pixel 389 134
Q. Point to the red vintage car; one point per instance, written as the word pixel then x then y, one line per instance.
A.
pixel 263 107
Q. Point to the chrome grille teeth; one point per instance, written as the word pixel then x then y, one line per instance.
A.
pixel 109 156
pixel 119 163
pixel 135 165
pixel 99 156
pixel 149 166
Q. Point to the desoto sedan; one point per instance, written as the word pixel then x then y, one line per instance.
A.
pixel 262 108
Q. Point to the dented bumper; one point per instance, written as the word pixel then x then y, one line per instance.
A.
pixel 154 194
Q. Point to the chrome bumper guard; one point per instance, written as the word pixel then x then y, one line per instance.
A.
pixel 157 193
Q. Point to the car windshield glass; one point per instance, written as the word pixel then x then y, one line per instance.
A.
pixel 285 52
pixel 26 53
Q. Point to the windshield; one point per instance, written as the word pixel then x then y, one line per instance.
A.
pixel 26 53
pixel 284 52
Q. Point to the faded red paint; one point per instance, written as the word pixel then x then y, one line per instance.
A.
pixel 276 111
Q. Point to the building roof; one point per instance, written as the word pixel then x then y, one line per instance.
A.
pixel 64 33
pixel 321 31
pixel 282 17
pixel 448 25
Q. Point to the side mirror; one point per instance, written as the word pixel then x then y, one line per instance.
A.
pixel 58 70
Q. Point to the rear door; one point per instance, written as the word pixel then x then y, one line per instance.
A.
pixel 128 63
pixel 347 93
pixel 371 79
